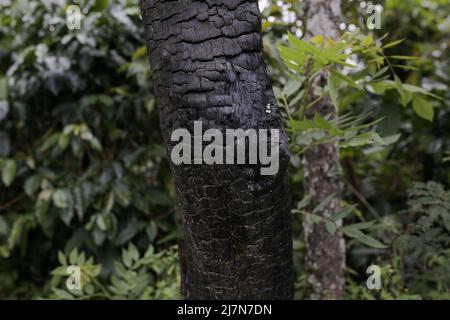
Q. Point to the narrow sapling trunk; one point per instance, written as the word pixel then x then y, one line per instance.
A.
pixel 325 252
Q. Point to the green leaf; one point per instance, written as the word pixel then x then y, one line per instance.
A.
pixel 380 87
pixel 404 57
pixel 345 78
pixel 63 141
pixel 362 225
pixel 325 202
pixel 399 86
pixel 376 138
pixel 331 227
pixel 416 89
pixel 400 66
pixel 62 258
pixel 322 123
pixel 292 87
pixel 423 108
pixel 303 46
pixel 32 185
pixel 371 242
pixel 62 294
pixel 126 258
pixel 318 40
pixel 278 93
pixel 304 202
pixel 4 228
pixel 352 232
pixel 152 231
pixel 343 213
pixel 52 140
pixel 59 271
pixel 100 5
pixel 81 259
pixel 140 52
pixel 393 44
pixel 101 223
pixel 95 144
pixel 380 72
pixel 105 100
pixel 60 199
pixel 332 90
pixel 9 172
pixel 290 55
pixel 406 98
pixel 368 40
pixel 73 256
pixel 391 139
pixel 315 218
pixel 134 253
pixel 301 125
pixel 159 197
pixel 360 140
pixel 3 88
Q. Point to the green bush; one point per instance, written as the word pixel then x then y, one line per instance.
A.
pixel 81 157
pixel 83 172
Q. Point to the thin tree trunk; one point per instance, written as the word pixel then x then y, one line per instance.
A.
pixel 325 252
pixel 207 63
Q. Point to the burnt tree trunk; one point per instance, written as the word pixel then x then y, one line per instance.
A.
pixel 207 63
pixel 325 252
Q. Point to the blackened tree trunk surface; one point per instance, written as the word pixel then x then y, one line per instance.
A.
pixel 325 252
pixel 207 63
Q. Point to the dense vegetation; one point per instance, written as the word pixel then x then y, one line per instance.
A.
pixel 85 179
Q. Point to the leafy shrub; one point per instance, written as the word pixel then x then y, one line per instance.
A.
pixel 80 155
pixel 425 246
pixel 83 172
pixel 151 276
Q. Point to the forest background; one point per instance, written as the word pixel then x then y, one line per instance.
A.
pixel 85 177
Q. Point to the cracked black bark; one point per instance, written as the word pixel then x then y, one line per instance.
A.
pixel 207 63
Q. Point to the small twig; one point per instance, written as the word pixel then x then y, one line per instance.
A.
pixel 10 202
pixel 363 200
pixel 286 106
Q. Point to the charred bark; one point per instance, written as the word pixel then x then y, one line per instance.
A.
pixel 325 252
pixel 207 63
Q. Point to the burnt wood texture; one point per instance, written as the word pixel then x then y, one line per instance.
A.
pixel 207 65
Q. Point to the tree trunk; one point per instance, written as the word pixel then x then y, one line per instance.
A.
pixel 207 63
pixel 325 252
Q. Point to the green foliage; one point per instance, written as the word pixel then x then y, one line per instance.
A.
pixel 383 85
pixel 424 247
pixel 9 169
pixel 392 287
pixel 353 231
pixel 85 168
pixel 311 60
pixel 346 130
pixel 342 61
pixel 82 164
pixel 151 276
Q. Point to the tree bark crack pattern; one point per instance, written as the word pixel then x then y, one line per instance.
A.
pixel 207 65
